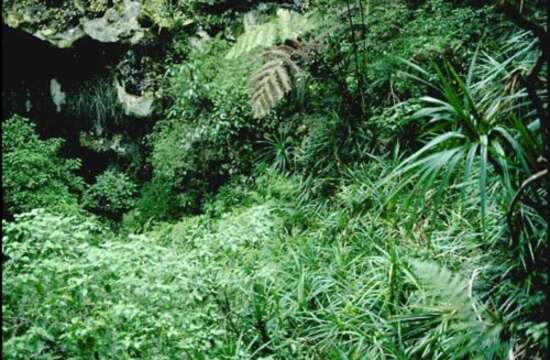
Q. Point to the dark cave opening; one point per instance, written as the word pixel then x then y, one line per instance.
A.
pixel 28 67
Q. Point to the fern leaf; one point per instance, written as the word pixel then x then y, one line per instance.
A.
pixel 447 301
pixel 287 25
pixel 292 25
pixel 272 81
pixel 443 284
pixel 284 78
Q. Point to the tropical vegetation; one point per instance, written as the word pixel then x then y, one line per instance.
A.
pixel 319 180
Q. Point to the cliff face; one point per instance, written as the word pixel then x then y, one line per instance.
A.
pixel 77 41
pixel 130 24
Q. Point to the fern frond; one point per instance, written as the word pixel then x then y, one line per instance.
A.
pixel 448 304
pixel 287 25
pixel 441 283
pixel 273 80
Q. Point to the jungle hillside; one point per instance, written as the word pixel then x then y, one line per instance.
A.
pixel 275 180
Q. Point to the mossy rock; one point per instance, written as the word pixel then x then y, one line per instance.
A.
pixel 63 22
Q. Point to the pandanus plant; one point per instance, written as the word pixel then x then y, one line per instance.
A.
pixel 478 124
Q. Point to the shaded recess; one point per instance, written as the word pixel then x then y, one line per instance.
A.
pixel 28 67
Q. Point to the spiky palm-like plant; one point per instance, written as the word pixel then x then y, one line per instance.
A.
pixel 485 129
pixel 477 121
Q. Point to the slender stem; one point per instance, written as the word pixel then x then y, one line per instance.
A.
pixel 363 51
pixel 356 57
pixel 515 16
pixel 340 76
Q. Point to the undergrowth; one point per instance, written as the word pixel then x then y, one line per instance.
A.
pixel 369 182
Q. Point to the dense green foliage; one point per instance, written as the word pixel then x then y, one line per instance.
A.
pixel 33 173
pixel 209 133
pixel 111 195
pixel 367 182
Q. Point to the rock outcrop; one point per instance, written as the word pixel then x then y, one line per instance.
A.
pixel 116 26
pixel 58 95
pixel 138 106
pixel 64 22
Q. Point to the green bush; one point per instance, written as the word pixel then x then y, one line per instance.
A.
pixel 112 194
pixel 209 133
pixel 33 172
pixel 435 31
pixel 279 277
pixel 156 202
pixel 73 290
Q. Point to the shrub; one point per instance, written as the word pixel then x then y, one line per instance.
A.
pixel 112 194
pixel 208 134
pixel 435 31
pixel 73 290
pixel 156 202
pixel 33 173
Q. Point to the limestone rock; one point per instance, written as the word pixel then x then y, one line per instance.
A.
pixel 63 23
pixel 63 39
pixel 138 106
pixel 58 96
pixel 200 38
pixel 116 26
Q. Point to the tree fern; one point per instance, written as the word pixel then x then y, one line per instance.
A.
pixel 287 25
pixel 272 81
